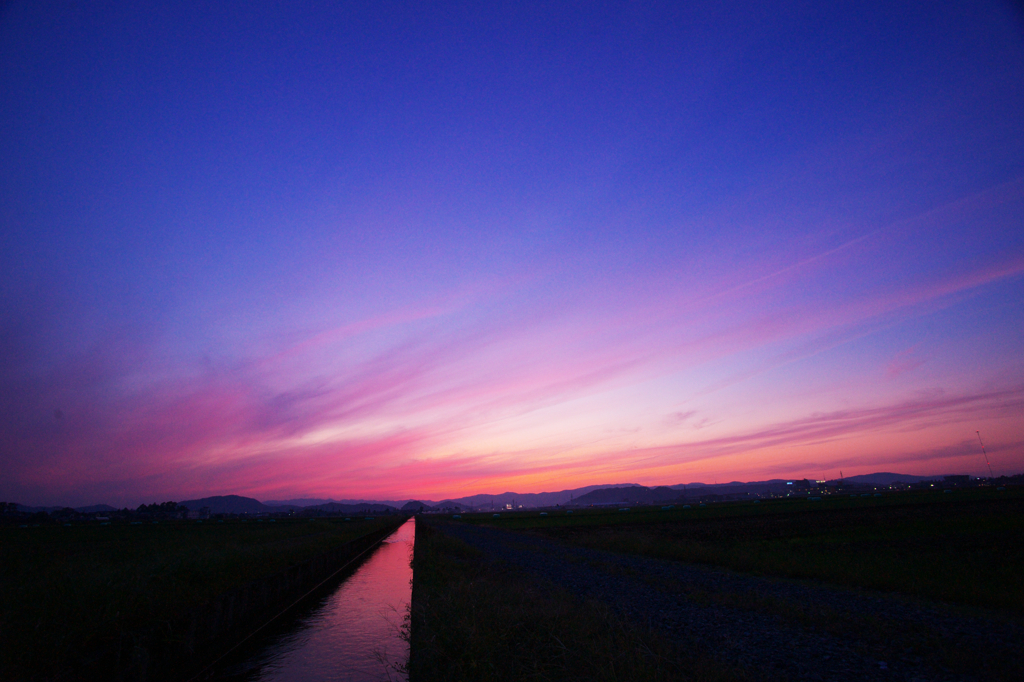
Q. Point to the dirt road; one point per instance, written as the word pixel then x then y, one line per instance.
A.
pixel 772 628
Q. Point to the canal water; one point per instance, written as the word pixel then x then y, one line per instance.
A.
pixel 354 634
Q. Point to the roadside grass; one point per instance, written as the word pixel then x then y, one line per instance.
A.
pixel 903 641
pixel 67 591
pixel 476 620
pixel 965 548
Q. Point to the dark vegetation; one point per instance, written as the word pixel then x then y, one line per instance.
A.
pixel 965 547
pixel 69 592
pixel 166 508
pixel 475 617
pixel 477 620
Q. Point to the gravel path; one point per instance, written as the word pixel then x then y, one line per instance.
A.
pixel 772 628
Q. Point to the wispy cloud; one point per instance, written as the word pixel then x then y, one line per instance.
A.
pixel 904 361
pixel 431 383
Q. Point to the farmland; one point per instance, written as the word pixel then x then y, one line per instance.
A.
pixel 70 593
pixel 966 547
pixel 908 586
pixel 473 620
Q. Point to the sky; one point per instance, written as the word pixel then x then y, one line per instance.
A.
pixel 391 250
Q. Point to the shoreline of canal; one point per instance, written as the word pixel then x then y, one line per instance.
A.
pixel 188 648
pixel 355 628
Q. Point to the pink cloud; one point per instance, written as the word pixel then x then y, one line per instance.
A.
pixel 411 412
pixel 905 361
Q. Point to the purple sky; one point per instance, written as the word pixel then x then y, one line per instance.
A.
pixel 428 250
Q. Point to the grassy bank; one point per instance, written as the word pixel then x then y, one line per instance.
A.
pixel 69 593
pixel 473 620
pixel 965 547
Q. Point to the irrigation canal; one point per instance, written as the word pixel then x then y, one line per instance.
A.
pixel 352 634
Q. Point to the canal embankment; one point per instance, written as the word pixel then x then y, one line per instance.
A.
pixel 156 602
pixel 354 630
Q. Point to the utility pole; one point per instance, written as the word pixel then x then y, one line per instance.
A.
pixel 991 475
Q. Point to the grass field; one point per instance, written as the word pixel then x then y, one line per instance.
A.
pixel 65 591
pixel 476 621
pixel 964 547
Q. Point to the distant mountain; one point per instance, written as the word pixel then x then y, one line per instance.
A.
pixel 484 501
pixel 94 508
pixel 638 494
pixel 886 478
pixel 300 502
pixel 303 502
pixel 526 499
pixel 389 503
pixel 338 507
pixel 91 509
pixel 731 484
pixel 634 494
pixel 621 493
pixel 229 504
pixel 732 488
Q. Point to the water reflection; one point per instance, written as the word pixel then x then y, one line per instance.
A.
pixel 352 635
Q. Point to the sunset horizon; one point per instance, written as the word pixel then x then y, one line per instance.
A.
pixel 392 252
pixel 500 489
